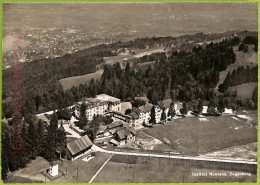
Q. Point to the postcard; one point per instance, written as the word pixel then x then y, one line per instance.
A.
pixel 129 92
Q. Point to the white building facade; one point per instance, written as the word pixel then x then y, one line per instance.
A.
pixel 99 105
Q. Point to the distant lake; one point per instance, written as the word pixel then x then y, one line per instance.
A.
pixel 8 43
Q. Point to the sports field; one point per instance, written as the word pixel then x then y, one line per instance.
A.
pixel 190 136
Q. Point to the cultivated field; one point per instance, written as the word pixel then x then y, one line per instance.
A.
pixel 244 90
pixel 75 81
pixel 190 136
pixel 242 59
pixel 132 169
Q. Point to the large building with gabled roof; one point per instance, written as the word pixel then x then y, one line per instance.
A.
pixel 79 146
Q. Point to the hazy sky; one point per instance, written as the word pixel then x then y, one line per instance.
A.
pixel 147 18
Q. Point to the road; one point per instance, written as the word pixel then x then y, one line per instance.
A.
pixel 98 149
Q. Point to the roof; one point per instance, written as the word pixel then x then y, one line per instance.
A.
pixel 178 103
pixel 114 142
pixel 142 98
pixel 102 128
pixel 165 103
pixel 132 130
pixel 80 144
pixel 136 110
pixel 122 134
pixel 146 108
pixel 125 105
pixel 134 115
pixel 114 124
pixel 105 97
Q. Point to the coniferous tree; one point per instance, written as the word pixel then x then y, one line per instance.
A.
pixel 255 96
pixel 184 108
pixel 152 119
pixel 163 116
pixel 221 105
pixel 83 120
pixel 200 106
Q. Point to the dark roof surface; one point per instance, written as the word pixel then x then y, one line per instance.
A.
pixel 115 124
pixel 165 103
pixel 134 115
pixel 122 134
pixel 146 108
pixel 136 110
pixel 80 144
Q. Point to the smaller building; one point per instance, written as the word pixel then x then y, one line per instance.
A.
pixel 101 131
pixel 53 170
pixel 115 125
pixel 125 135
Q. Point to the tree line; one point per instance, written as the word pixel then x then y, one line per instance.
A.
pixel 38 139
pixel 239 76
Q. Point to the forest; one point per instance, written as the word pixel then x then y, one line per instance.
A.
pixel 42 91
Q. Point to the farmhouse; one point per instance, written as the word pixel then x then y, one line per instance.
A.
pixel 115 125
pixel 145 113
pixel 101 130
pixel 135 121
pixel 125 135
pixel 79 146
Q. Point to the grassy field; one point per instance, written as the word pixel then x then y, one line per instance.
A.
pixel 131 169
pixel 242 59
pixel 244 90
pixel 118 58
pixel 248 152
pixel 190 136
pixel 68 83
pixel 86 170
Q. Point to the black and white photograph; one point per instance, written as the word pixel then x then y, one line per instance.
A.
pixel 117 92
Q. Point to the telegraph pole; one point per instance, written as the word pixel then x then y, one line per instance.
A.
pixel 77 171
